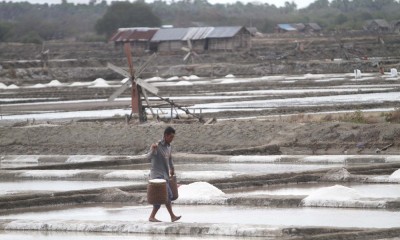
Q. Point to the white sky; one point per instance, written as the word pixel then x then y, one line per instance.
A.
pixel 278 3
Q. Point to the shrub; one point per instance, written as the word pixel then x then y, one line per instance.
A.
pixel 356 117
pixel 393 116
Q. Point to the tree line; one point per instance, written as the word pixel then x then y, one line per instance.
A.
pixel 95 21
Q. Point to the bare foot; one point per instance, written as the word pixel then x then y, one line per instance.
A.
pixel 176 218
pixel 154 220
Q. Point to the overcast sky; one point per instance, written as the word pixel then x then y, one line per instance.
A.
pixel 278 3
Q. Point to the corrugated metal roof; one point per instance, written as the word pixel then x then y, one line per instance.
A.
pixel 382 23
pixel 315 26
pixel 169 34
pixel 224 32
pixel 132 34
pixel 287 27
pixel 299 26
pixel 196 33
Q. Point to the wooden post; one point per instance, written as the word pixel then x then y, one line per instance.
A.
pixel 172 108
pixel 136 100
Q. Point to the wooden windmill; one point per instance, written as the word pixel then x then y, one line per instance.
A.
pixel 190 53
pixel 139 87
pixel 44 57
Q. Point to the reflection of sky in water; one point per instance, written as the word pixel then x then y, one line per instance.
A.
pixel 230 214
pixel 253 168
pixel 53 185
pixel 59 235
pixel 309 101
pixel 353 88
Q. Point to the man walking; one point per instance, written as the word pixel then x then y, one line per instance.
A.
pixel 162 167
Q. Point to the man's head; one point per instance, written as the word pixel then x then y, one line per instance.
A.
pixel 169 134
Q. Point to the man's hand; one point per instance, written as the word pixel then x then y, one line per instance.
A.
pixel 154 147
pixel 172 172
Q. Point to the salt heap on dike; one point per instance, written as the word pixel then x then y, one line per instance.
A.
pixel 99 82
pixel 200 193
pixel 395 176
pixel 335 196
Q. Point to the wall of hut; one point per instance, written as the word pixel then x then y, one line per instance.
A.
pixel 169 46
pixel 240 41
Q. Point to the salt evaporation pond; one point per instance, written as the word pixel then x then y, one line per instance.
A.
pixel 366 190
pixel 13 187
pixel 281 217
pixel 253 167
pixel 34 235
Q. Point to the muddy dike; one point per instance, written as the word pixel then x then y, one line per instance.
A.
pixel 89 70
pixel 79 61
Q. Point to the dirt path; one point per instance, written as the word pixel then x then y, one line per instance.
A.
pixel 115 138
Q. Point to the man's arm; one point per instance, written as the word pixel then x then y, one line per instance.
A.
pixel 152 151
pixel 171 166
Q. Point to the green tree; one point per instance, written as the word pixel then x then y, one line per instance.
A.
pixel 126 14
pixel 4 31
pixel 319 4
pixel 340 19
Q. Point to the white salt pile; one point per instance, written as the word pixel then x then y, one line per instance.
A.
pixel 39 85
pixel 54 83
pixel 230 76
pixel 191 77
pixel 200 193
pixel 99 82
pixel 335 196
pixel 395 175
pixel 173 78
pixel 184 83
pixel 155 79
pixel 12 86
pixel 78 84
pixel 3 86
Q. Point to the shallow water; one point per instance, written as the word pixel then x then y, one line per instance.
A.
pixel 265 168
pixel 282 217
pixel 12 187
pixel 34 235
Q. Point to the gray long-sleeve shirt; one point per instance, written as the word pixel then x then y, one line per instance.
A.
pixel 161 161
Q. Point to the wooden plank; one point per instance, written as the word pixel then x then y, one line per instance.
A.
pixel 147 101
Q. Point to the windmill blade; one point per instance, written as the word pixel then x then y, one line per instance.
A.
pixel 144 65
pixel 138 81
pixel 118 70
pixel 187 56
pixel 185 49
pixel 149 87
pixel 195 53
pixel 119 91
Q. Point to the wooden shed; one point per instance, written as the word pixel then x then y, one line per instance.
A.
pixel 169 39
pixel 228 38
pixel 377 25
pixel 139 38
